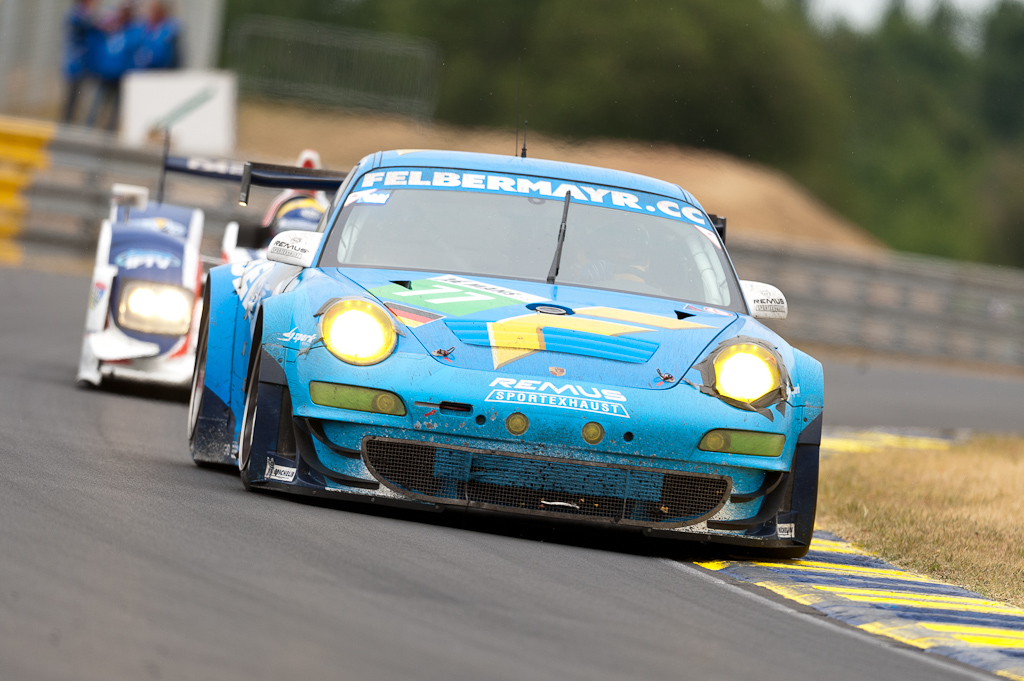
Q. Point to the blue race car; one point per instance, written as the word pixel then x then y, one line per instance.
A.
pixel 520 336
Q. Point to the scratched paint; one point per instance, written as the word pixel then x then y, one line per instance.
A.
pixel 864 591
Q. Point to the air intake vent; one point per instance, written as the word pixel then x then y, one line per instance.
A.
pixel 545 486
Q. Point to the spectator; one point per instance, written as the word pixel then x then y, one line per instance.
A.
pixel 158 48
pixel 112 53
pixel 79 27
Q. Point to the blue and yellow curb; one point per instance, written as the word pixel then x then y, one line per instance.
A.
pixel 855 587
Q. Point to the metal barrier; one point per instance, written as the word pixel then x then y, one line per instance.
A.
pixel 55 184
pixel 890 302
pixel 310 61
pixel 896 302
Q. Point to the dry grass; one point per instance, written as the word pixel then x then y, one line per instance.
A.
pixel 954 514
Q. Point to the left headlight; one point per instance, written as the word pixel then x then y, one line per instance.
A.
pixel 149 307
pixel 358 332
pixel 746 372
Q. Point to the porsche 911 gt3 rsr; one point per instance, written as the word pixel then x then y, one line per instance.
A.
pixel 517 336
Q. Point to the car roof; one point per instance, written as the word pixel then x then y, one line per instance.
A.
pixel 573 172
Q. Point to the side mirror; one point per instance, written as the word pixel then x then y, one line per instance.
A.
pixel 764 300
pixel 294 248
pixel 718 221
pixel 128 195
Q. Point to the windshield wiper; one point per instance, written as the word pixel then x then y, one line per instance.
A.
pixel 553 272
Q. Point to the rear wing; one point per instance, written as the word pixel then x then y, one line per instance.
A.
pixel 288 177
pixel 258 174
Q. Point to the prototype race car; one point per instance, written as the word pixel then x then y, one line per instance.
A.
pixel 519 336
pixel 145 289
pixel 148 274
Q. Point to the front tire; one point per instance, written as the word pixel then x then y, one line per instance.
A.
pixel 249 415
pixel 195 402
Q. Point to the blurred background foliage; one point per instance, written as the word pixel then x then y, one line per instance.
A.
pixel 914 130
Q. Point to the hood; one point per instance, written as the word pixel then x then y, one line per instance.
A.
pixel 539 330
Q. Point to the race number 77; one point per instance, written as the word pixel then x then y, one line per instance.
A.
pixel 465 297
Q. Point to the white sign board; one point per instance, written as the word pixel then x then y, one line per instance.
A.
pixel 199 105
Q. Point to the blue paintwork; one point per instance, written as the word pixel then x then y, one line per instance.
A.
pixel 649 421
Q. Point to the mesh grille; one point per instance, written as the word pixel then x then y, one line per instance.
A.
pixel 625 495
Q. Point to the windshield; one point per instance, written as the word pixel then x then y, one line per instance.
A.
pixel 509 236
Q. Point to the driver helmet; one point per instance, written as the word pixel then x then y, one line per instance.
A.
pixel 298 213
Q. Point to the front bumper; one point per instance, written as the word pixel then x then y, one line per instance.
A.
pixel 174 372
pixel 648 474
pixel 678 500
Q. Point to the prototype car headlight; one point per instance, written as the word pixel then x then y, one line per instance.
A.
pixel 746 372
pixel 358 332
pixel 149 307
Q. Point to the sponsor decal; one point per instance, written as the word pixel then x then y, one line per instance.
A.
pixel 134 258
pixel 371 197
pixel 160 225
pixel 291 247
pixel 208 165
pixel 297 337
pixel 689 307
pixel 451 295
pixel 250 282
pixel 786 530
pixel 509 184
pixel 769 304
pixel 571 396
pixel 557 371
pixel 279 473
pixel 99 289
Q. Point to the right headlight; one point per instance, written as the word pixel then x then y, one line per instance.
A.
pixel 149 307
pixel 358 332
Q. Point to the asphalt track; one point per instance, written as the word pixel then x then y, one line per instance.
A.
pixel 121 560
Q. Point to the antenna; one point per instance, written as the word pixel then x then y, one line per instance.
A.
pixel 163 166
pixel 525 125
pixel 519 82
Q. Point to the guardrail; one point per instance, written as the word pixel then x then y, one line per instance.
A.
pixel 59 191
pixel 890 302
pixel 895 302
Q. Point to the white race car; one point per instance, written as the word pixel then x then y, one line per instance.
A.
pixel 145 294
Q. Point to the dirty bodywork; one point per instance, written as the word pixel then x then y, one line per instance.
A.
pixel 610 383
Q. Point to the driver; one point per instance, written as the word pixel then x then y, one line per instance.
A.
pixel 297 212
pixel 625 257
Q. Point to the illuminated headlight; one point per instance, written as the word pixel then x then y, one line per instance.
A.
pixel 358 332
pixel 149 307
pixel 746 372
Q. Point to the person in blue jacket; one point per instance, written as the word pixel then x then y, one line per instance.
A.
pixel 112 53
pixel 79 27
pixel 160 32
